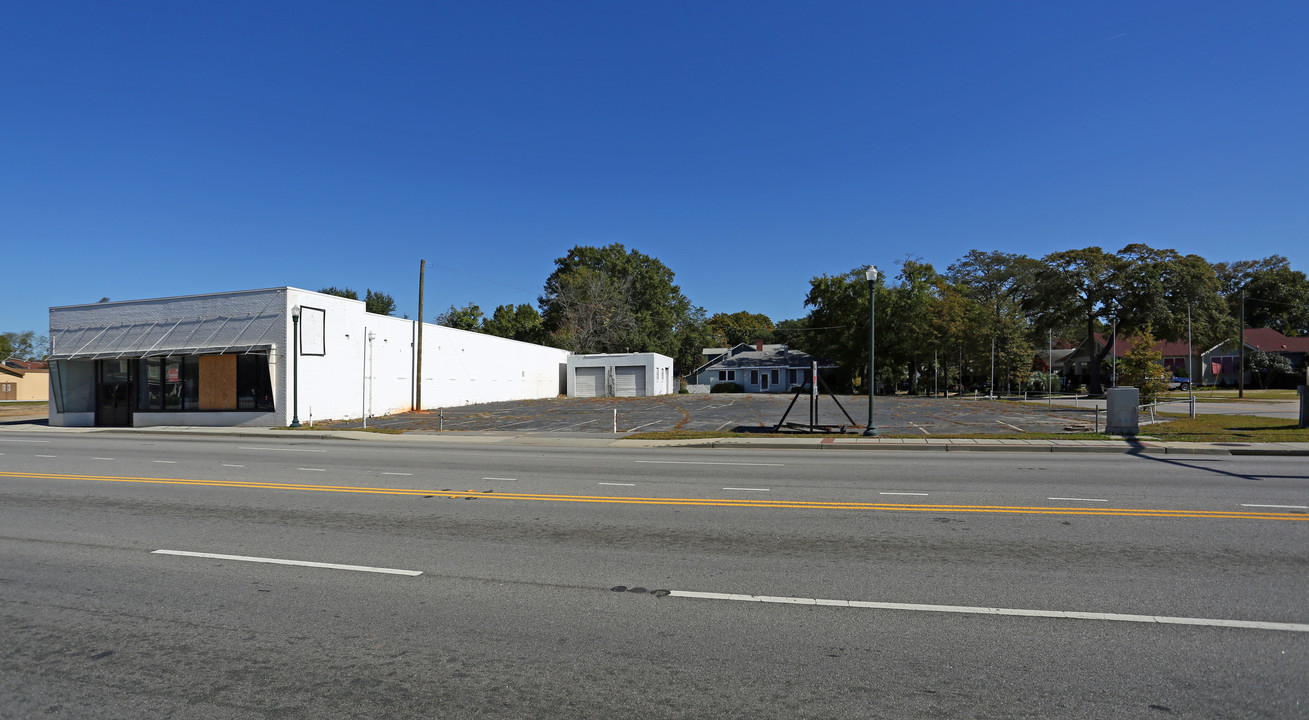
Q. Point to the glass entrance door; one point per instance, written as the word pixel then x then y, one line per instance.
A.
pixel 113 393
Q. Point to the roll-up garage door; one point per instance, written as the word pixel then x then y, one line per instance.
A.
pixel 589 382
pixel 629 381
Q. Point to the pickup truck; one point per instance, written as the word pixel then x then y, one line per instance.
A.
pixel 1179 383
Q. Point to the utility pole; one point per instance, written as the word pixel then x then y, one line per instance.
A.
pixel 1240 343
pixel 418 373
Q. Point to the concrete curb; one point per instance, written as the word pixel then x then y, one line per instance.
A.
pixel 973 445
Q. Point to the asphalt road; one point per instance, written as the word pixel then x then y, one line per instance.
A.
pixel 558 583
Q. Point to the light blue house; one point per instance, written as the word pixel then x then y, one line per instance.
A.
pixel 758 367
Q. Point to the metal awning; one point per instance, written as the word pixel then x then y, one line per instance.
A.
pixel 182 336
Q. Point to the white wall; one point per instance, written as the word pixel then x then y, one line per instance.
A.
pixel 459 367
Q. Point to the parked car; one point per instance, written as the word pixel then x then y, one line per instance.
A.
pixel 1180 383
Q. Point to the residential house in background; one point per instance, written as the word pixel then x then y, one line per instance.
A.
pixel 1219 363
pixel 756 368
pixel 1076 365
pixel 1215 366
pixel 22 380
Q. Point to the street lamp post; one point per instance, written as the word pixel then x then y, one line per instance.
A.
pixel 295 364
pixel 871 274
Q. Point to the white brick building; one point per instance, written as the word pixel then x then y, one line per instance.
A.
pixel 234 359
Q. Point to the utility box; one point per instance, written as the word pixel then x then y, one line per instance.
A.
pixel 1123 407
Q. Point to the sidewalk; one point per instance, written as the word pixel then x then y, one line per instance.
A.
pixel 1139 446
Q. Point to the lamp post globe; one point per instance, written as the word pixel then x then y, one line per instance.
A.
pixel 871 274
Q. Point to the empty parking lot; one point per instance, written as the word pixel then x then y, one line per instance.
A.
pixel 919 416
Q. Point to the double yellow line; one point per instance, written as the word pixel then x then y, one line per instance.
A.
pixel 702 502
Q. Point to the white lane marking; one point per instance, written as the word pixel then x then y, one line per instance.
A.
pixel 900 493
pixel 95 458
pixel 26 441
pixel 696 462
pixel 920 427
pixel 1079 499
pixel 47 456
pixel 242 447
pixel 619 484
pixel 1288 507
pixel 301 563
pixel 169 462
pixel 396 473
pixel 1063 614
pixel 228 465
pixel 498 478
pixel 313 469
pixel 749 489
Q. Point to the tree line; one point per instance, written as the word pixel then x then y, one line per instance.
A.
pixel 985 305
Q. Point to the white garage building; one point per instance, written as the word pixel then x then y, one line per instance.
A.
pixel 236 359
pixel 623 375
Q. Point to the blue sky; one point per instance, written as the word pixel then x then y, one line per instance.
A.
pixel 169 148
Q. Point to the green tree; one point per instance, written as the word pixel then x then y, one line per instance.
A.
pixel 1137 288
pixel 838 325
pixel 379 303
pixel 468 317
pixel 610 299
pixel 1269 368
pixel 728 330
pixel 340 292
pixel 692 339
pixel 1077 286
pixel 1276 296
pixel 25 345
pixel 1142 367
pixel 516 322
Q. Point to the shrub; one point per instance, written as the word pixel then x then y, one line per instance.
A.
pixel 726 387
pixel 1143 368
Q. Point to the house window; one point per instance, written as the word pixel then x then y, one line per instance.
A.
pixel 754 377
pixel 774 377
pixel 722 375
pixel 731 375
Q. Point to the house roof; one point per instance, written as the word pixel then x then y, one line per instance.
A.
pixel 1269 340
pixel 1167 348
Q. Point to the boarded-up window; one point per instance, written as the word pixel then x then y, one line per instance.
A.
pixel 217 382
